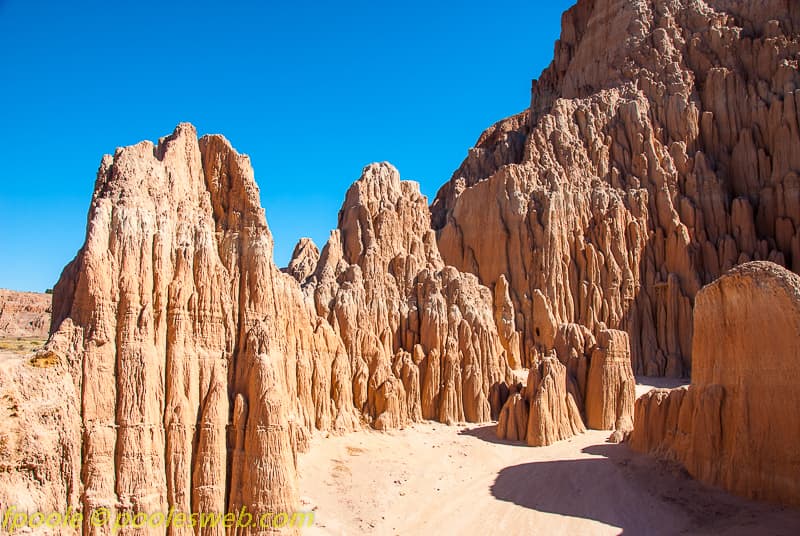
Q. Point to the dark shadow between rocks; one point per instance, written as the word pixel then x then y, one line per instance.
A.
pixel 488 433
pixel 636 494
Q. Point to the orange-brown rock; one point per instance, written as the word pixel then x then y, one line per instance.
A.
pixel 513 421
pixel 734 426
pixel 382 285
pixel 304 260
pixel 659 150
pixel 39 446
pixel 611 387
pixel 198 362
pixel 202 368
pixel 579 378
pixel 24 314
pixel 553 413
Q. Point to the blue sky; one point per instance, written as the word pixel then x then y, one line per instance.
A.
pixel 311 91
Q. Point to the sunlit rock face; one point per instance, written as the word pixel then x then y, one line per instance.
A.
pixel 202 369
pixel 421 336
pixel 661 148
pixel 731 427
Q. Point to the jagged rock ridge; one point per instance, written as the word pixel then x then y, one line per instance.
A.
pixel 661 148
pixel 423 331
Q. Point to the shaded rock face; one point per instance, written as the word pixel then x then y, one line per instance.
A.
pixel 732 427
pixel 659 151
pixel 200 368
pixel 24 314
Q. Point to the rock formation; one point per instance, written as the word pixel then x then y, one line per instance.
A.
pixel 421 336
pixel 24 314
pixel 658 152
pixel 553 413
pixel 736 426
pixel 580 377
pixel 39 434
pixel 202 369
pixel 304 259
pixel 660 149
pixel 610 388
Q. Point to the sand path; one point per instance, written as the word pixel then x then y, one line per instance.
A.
pixel 434 479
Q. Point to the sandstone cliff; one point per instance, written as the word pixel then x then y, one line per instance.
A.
pixel 736 425
pixel 24 314
pixel 660 149
pixel 201 368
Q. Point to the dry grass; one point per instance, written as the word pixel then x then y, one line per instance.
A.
pixel 44 359
pixel 21 345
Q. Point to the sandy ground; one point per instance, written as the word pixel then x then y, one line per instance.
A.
pixel 431 479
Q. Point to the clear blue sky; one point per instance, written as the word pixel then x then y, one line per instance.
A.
pixel 311 91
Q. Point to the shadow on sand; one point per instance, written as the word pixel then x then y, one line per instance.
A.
pixel 487 433
pixel 638 495
pixel 583 488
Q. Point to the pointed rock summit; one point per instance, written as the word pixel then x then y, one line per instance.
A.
pixel 202 369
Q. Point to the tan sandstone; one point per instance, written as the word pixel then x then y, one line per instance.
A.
pixel 659 150
pixel 735 426
pixel 201 370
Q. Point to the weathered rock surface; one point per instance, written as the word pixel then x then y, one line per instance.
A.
pixel 24 314
pixel 736 426
pixel 197 361
pixel 421 336
pixel 660 149
pixel 581 377
pixel 202 369
pixel 304 260
pixel 553 413
pixel 611 387
pixel 39 450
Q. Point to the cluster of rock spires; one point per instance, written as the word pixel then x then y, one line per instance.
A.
pixel 572 242
pixel 659 150
pixel 201 369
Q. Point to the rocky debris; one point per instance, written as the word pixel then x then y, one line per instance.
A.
pixel 304 260
pixel 730 427
pixel 659 150
pixel 24 314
